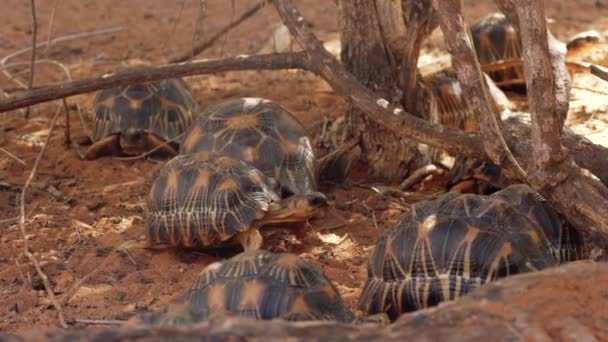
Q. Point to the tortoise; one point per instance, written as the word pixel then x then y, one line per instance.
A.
pixel 259 285
pixel 208 200
pixel 137 118
pixel 443 248
pixel 496 40
pixel 452 108
pixel 267 136
pixel 467 174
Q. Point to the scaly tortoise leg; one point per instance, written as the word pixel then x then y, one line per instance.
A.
pixel 251 239
pixel 109 145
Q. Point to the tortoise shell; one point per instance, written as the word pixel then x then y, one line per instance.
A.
pixel 451 104
pixel 467 174
pixel 444 248
pixel 208 200
pixel 137 118
pixel 496 40
pixel 261 133
pixel 258 285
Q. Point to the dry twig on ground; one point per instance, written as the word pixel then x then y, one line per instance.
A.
pixel 26 247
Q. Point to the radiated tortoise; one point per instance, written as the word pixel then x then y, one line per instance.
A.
pixel 258 285
pixel 267 136
pixel 206 199
pixel 442 249
pixel 139 118
pixel 496 40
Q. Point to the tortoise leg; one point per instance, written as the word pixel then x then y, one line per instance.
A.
pixel 107 146
pixel 334 167
pixel 160 146
pixel 84 140
pixel 251 239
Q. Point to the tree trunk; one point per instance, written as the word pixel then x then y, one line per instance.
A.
pixel 369 52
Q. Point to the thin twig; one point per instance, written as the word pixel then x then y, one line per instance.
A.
pixel 68 75
pixel 21 161
pixel 49 33
pixel 67 137
pixel 197 49
pixel 147 153
pixel 26 248
pixel 95 322
pixel 30 82
pixel 68 37
pixel 199 25
pixel 172 32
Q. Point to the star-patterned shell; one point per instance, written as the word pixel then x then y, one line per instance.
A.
pixel 205 199
pixel 163 108
pixel 444 248
pixel 495 40
pixel 261 133
pixel 258 285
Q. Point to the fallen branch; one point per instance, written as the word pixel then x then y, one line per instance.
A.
pixel 26 247
pixel 202 46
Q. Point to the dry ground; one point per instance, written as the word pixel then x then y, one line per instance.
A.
pixel 79 211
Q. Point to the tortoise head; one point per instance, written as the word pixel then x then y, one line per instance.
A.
pixel 582 42
pixel 133 141
pixel 295 208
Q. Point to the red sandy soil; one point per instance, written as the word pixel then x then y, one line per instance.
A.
pixel 80 211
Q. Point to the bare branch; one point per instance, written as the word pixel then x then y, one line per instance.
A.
pixel 49 33
pixel 474 87
pixel 202 46
pixel 146 74
pixel 546 127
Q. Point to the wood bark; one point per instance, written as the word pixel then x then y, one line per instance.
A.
pixel 550 170
pixel 369 56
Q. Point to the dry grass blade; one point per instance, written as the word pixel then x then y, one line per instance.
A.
pixel 26 247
